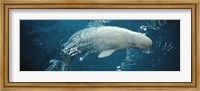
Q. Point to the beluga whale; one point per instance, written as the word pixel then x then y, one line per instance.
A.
pixel 103 40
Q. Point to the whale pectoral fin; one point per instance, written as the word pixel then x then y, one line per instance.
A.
pixel 106 53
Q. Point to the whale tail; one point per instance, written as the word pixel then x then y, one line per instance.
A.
pixel 57 65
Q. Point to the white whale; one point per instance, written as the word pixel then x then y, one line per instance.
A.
pixel 104 40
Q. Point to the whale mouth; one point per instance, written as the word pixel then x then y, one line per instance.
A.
pixel 144 46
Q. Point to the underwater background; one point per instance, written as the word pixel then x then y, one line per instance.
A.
pixel 41 41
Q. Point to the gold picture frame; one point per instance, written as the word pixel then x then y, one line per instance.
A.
pixel 98 4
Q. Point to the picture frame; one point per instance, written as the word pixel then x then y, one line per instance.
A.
pixel 110 4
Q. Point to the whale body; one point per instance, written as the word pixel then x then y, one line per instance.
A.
pixel 104 40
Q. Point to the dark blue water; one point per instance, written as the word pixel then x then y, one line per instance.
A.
pixel 41 40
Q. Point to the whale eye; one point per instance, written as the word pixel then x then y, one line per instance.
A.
pixel 133 44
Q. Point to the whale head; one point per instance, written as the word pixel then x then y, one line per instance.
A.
pixel 140 41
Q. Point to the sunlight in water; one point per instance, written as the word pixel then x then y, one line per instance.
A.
pixel 98 23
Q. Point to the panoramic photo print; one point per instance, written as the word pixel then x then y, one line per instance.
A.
pixel 99 45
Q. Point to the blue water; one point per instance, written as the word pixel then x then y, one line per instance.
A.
pixel 41 41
